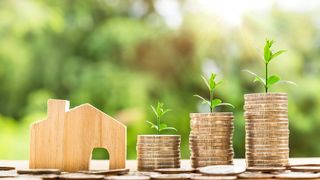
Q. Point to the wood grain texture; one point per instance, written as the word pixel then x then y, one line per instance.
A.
pixel 66 139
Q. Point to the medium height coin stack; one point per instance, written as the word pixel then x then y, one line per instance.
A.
pixel 211 139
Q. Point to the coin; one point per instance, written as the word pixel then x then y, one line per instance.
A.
pixel 306 168
pixel 213 177
pixel 128 177
pixel 197 164
pixel 38 171
pixel 151 156
pixel 80 176
pixel 6 168
pixel 162 163
pixel 222 170
pixel 163 136
pixel 107 172
pixel 48 176
pixel 171 176
pixel 153 166
pixel 174 170
pixel 158 145
pixel 297 175
pixel 255 175
pixel 7 174
pixel 214 151
pixel 213 158
pixel 141 173
pixel 167 148
pixel 211 114
pixel 266 168
pixel 212 120
pixel 162 159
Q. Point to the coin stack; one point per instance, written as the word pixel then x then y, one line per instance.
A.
pixel 211 139
pixel 267 132
pixel 158 151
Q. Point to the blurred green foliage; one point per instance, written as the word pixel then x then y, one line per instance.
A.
pixel 122 56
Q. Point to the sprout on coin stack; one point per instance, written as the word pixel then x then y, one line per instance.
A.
pixel 266 117
pixel 158 151
pixel 211 133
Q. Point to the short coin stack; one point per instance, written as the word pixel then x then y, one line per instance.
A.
pixel 211 139
pixel 267 132
pixel 158 151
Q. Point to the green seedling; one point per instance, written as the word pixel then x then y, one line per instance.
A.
pixel 212 102
pixel 269 55
pixel 159 111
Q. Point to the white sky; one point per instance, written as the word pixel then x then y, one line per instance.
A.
pixel 230 11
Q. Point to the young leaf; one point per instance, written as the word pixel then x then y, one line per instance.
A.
pixel 153 125
pixel 169 128
pixel 257 78
pixel 206 82
pixel 204 101
pixel 267 51
pixel 162 126
pixel 277 54
pixel 212 82
pixel 155 111
pixel 159 109
pixel 215 102
pixel 272 80
pixel 165 111
pixel 225 104
pixel 288 82
pixel 218 83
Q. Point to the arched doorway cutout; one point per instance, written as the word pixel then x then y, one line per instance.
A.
pixel 99 159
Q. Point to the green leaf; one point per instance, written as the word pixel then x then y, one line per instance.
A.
pixel 226 104
pixel 204 101
pixel 162 126
pixel 288 82
pixel 165 111
pixel 277 54
pixel 153 125
pixel 215 102
pixel 272 80
pixel 159 109
pixel 206 82
pixel 218 83
pixel 169 128
pixel 257 78
pixel 155 111
pixel 212 82
pixel 267 51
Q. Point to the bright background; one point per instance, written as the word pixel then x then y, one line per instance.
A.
pixel 122 56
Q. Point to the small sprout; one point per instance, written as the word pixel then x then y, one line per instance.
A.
pixel 269 55
pixel 159 112
pixel 212 84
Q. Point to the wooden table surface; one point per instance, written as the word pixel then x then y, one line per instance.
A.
pixel 132 164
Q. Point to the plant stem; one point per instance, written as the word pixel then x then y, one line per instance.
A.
pixel 211 97
pixel 158 124
pixel 266 86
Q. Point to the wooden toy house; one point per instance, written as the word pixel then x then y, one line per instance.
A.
pixel 66 139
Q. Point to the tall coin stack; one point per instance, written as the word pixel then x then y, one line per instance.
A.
pixel 211 139
pixel 158 151
pixel 267 131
